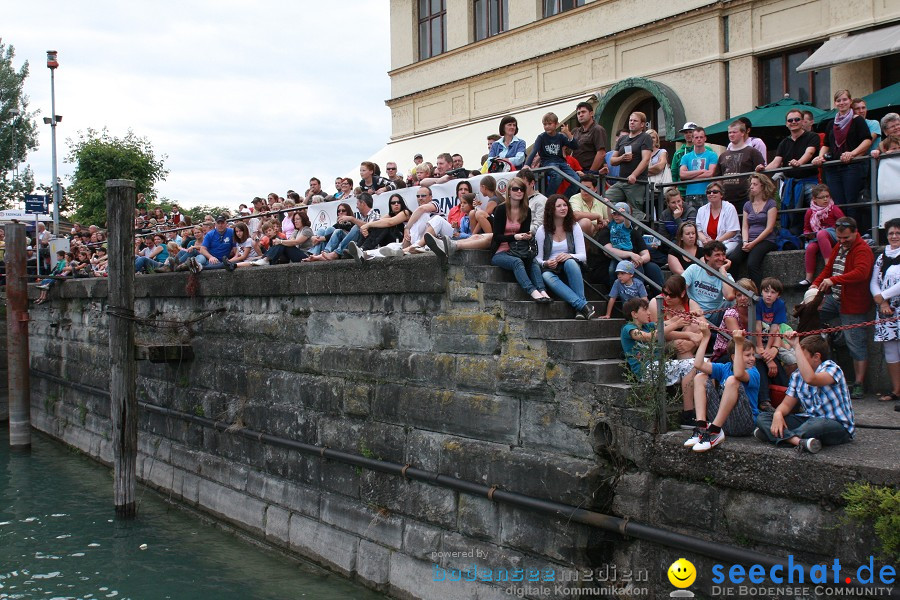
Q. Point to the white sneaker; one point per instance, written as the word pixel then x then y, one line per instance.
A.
pixel 262 262
pixel 390 251
pixel 709 440
pixel 695 438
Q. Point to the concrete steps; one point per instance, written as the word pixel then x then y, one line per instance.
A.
pixel 592 349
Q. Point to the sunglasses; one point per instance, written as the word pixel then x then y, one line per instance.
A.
pixel 422 195
pixel 713 192
pixel 396 202
pixel 343 211
pixel 843 223
pixel 794 120
pixel 517 189
pixel 392 168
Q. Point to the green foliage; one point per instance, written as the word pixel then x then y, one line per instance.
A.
pixel 98 157
pixel 21 128
pixel 881 505
pixel 198 212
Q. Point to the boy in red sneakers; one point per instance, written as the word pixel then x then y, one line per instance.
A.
pixel 735 407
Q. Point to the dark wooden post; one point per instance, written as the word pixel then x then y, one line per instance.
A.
pixel 120 197
pixel 17 339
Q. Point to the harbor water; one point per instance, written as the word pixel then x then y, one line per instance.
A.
pixel 59 539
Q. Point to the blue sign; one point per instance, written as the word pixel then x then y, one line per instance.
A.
pixel 36 204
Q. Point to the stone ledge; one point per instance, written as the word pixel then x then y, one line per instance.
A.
pixel 401 275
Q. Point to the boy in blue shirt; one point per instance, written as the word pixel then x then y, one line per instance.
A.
pixel 637 335
pixel 771 317
pixel 736 407
pixel 626 286
pixel 549 147
pixel 821 388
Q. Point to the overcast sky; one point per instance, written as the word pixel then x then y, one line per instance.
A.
pixel 244 98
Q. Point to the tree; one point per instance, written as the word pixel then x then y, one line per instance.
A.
pixel 20 128
pixel 99 156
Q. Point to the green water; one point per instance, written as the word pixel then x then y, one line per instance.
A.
pixel 58 539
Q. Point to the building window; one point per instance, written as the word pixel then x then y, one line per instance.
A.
pixel 490 18
pixel 779 76
pixel 554 7
pixel 432 28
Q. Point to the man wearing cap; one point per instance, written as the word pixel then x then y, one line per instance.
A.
pixel 688 131
pixel 591 139
pixel 699 163
pixel 215 250
pixel 417 160
pixel 625 243
pixel 632 156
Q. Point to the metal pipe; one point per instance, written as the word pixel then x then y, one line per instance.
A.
pixel 53 174
pixel 873 190
pixel 18 367
pixel 623 526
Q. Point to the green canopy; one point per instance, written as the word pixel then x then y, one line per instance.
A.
pixel 770 115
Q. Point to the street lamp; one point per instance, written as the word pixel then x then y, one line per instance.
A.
pixel 14 113
pixel 52 64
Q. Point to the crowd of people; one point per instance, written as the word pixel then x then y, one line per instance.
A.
pixel 730 224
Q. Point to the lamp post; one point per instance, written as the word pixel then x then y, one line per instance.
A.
pixel 52 64
pixel 14 113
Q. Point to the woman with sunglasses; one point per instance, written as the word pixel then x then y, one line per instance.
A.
pixel 384 231
pixel 885 288
pixel 687 337
pixel 718 220
pixel 320 237
pixel 561 254
pixel 512 222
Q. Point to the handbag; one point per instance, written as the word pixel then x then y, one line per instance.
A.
pixel 523 249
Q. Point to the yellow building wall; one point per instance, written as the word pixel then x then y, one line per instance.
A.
pixel 607 41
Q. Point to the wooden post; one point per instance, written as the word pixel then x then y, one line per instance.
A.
pixel 17 339
pixel 120 198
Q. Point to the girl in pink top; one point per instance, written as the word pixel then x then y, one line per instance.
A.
pixel 818 227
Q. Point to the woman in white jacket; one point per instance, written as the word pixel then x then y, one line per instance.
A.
pixel 561 252
pixel 718 220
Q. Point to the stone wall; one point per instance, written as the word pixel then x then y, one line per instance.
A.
pixel 412 362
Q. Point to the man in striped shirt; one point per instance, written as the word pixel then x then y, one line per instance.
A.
pixel 820 387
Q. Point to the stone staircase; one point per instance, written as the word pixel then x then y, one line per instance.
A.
pixel 592 350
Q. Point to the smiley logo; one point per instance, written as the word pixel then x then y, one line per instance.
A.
pixel 682 573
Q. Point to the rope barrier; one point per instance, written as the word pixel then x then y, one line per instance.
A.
pixel 693 318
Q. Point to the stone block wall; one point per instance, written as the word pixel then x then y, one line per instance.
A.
pixel 416 363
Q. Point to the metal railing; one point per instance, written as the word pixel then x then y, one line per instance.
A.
pixel 671 246
pixel 654 190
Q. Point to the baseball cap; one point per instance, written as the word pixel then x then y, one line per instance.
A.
pixel 625 266
pixel 622 207
pixel 221 218
pixel 689 126
pixel 417 156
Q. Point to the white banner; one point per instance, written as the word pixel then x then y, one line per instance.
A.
pixel 889 189
pixel 324 214
pixel 21 215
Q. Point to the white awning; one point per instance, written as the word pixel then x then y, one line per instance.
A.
pixel 469 140
pixel 860 46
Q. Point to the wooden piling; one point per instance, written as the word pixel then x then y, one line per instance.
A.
pixel 120 200
pixel 17 338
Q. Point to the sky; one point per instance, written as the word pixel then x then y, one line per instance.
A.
pixel 243 98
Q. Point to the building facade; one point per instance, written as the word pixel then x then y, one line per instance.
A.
pixel 457 65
